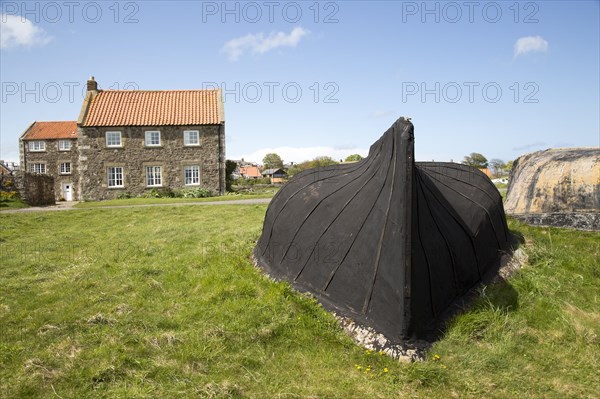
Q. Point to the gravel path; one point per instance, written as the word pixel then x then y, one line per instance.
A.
pixel 69 206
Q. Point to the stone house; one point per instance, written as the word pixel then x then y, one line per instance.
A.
pixel 51 148
pixel 133 141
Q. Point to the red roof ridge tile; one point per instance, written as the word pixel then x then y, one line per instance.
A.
pixel 149 91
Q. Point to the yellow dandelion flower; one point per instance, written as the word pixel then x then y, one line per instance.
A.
pixel 385 370
pixel 436 357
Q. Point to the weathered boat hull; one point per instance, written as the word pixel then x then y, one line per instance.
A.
pixel 556 187
pixel 386 241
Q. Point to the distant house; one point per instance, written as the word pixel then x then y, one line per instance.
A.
pixel 250 172
pixel 51 148
pixel 486 172
pixel 7 168
pixel 276 175
pixel 132 141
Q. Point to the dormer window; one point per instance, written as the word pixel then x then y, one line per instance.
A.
pixel 152 138
pixel 37 146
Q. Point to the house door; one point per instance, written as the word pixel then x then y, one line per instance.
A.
pixel 68 192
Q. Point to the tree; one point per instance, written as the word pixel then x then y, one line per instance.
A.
pixel 353 158
pixel 322 161
pixel 272 161
pixel 297 168
pixel 317 162
pixel 476 160
pixel 508 167
pixel 496 167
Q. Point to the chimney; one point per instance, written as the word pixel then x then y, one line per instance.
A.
pixel 92 85
pixel 92 91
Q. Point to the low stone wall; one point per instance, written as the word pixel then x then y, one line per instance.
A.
pixel 35 189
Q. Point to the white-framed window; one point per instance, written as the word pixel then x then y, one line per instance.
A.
pixel 65 168
pixel 37 146
pixel 191 137
pixel 64 145
pixel 37 168
pixel 153 176
pixel 152 138
pixel 191 175
pixel 113 139
pixel 115 176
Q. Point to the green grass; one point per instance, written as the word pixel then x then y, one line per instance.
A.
pixel 502 188
pixel 12 203
pixel 164 303
pixel 151 201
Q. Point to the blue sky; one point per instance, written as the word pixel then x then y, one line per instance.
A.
pixel 321 78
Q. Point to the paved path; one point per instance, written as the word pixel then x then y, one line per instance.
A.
pixel 69 206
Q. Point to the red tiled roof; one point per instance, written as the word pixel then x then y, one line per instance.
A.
pixel 52 130
pixel 154 108
pixel 250 171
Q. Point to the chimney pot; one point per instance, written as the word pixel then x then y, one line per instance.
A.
pixel 92 85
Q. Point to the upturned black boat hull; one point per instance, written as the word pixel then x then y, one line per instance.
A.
pixel 386 241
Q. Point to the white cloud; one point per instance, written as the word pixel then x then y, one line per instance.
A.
pixel 16 31
pixel 259 44
pixel 301 154
pixel 380 113
pixel 529 44
pixel 537 144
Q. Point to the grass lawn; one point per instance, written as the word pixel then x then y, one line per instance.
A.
pixel 150 201
pixel 164 303
pixel 12 203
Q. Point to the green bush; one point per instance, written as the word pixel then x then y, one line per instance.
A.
pixel 253 182
pixel 199 192
pixel 124 195
pixel 167 193
pixel 160 193
pixel 8 194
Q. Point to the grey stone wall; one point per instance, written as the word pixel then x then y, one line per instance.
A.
pixel 52 158
pixel 35 189
pixel 95 157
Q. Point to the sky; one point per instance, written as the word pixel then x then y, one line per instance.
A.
pixel 307 78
